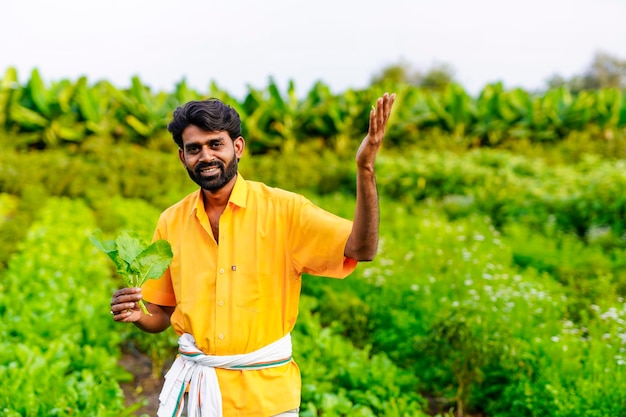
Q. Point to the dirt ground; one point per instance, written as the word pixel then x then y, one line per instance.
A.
pixel 145 388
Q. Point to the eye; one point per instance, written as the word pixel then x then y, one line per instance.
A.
pixel 193 149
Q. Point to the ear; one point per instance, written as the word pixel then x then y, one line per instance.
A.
pixel 239 143
pixel 181 156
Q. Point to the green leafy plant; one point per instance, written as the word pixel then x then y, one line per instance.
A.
pixel 135 261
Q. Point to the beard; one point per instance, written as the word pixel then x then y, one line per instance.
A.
pixel 224 174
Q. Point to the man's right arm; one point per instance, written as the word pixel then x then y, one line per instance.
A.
pixel 125 308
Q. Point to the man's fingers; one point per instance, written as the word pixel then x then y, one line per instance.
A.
pixel 379 115
pixel 386 103
pixel 373 124
pixel 383 107
pixel 120 297
pixel 389 104
pixel 124 302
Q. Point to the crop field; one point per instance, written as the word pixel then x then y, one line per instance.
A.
pixel 498 289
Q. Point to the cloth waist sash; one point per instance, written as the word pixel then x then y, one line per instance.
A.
pixel 195 369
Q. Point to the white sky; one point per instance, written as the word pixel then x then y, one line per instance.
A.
pixel 342 43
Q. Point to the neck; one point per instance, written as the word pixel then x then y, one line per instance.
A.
pixel 218 198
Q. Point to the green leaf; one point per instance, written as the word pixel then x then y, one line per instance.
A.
pixel 141 128
pixel 110 248
pixel 135 261
pixel 26 117
pixel 106 246
pixel 7 84
pixel 86 102
pixel 153 261
pixel 38 93
pixel 129 245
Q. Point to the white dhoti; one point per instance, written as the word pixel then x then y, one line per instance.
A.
pixel 195 370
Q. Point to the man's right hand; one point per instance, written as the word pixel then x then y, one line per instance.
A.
pixel 125 308
pixel 125 305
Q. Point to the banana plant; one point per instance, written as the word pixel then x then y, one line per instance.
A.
pixel 413 118
pixel 97 108
pixel 608 105
pixel 556 105
pixel 491 126
pixel 316 123
pixel 184 94
pixel 8 85
pixel 524 118
pixel 459 110
pixel 348 117
pixel 284 113
pixel 144 114
pixel 582 111
pixel 257 124
pixel 48 113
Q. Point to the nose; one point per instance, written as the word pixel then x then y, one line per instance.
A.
pixel 206 155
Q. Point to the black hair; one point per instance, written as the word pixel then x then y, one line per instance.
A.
pixel 210 115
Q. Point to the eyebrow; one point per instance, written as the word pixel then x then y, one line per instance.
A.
pixel 201 143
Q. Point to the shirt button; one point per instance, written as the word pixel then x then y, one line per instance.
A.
pixel 221 336
pixel 220 303
pixel 221 270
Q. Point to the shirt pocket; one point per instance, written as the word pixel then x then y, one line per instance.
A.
pixel 247 290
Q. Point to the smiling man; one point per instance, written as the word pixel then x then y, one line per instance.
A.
pixel 240 249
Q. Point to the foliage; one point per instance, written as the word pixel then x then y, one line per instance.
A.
pixel 340 380
pixel 58 350
pixel 69 113
pixel 135 260
pixel 446 299
pixel 499 285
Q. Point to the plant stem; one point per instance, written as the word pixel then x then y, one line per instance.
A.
pixel 143 307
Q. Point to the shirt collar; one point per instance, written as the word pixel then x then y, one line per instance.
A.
pixel 239 193
pixel 237 196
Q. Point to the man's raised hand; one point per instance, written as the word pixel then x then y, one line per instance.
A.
pixel 379 115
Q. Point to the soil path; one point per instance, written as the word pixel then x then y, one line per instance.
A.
pixel 144 388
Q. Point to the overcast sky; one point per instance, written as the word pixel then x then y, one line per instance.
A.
pixel 342 43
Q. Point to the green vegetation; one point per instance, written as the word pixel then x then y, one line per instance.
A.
pixel 499 285
pixel 81 116
pixel 135 260
pixel 58 352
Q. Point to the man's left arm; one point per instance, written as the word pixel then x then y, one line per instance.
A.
pixel 362 243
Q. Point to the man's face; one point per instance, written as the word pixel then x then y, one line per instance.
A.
pixel 210 157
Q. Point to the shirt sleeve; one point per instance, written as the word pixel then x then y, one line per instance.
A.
pixel 318 242
pixel 159 291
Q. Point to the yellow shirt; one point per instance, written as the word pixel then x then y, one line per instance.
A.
pixel 243 294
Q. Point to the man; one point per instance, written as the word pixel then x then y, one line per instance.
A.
pixel 240 248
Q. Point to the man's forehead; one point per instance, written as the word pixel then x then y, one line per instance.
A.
pixel 193 133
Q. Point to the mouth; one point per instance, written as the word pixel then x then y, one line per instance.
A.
pixel 209 171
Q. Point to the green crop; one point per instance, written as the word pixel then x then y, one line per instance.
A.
pixel 135 260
